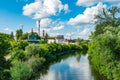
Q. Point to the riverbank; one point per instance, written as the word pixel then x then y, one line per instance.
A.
pixel 104 47
pixel 27 63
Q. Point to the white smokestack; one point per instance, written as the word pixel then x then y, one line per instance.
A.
pixel 39 27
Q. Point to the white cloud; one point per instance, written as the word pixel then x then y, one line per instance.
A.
pixel 50 26
pixel 92 2
pixel 66 8
pixel 85 2
pixel 54 34
pixel 7 30
pixel 87 16
pixel 44 8
pixel 50 76
pixel 44 23
pixel 85 33
pixel 58 27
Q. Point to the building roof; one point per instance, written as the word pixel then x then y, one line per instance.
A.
pixel 59 37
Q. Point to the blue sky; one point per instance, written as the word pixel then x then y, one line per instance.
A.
pixel 68 17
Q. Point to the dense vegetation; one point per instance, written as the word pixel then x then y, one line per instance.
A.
pixel 104 48
pixel 21 60
pixel 26 63
pixel 4 50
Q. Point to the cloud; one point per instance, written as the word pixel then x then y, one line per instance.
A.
pixel 7 30
pixel 58 27
pixel 54 34
pixel 87 16
pixel 50 76
pixel 44 8
pixel 92 2
pixel 44 23
pixel 85 32
pixel 50 26
pixel 66 8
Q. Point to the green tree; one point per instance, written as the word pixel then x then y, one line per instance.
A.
pixel 104 48
pixel 32 50
pixel 113 12
pixel 19 33
pixel 18 55
pixel 107 17
pixel 24 36
pixel 19 44
pixel 4 50
pixel 46 38
pixel 12 35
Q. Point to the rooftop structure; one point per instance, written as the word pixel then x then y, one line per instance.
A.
pixel 32 37
pixel 59 37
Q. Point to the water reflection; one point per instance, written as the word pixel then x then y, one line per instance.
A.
pixel 73 68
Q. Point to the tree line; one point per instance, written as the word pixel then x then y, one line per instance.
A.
pixel 104 47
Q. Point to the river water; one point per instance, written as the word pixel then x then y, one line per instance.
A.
pixel 72 68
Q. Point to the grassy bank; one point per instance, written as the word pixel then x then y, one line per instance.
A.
pixel 104 47
pixel 27 62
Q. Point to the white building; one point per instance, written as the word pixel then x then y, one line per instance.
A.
pixel 59 39
pixel 51 40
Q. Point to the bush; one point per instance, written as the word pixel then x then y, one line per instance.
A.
pixel 104 50
pixel 18 55
pixel 19 44
pixel 20 71
pixel 4 50
pixel 32 50
pixel 35 64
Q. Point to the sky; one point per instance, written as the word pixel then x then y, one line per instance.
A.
pixel 71 18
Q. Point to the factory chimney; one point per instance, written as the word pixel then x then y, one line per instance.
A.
pixel 39 27
pixel 43 33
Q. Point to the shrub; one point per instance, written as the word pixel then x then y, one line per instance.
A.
pixel 18 55
pixel 20 71
pixel 32 50
pixel 19 44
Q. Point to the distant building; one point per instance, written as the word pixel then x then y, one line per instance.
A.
pixel 66 41
pixel 33 37
pixel 59 39
pixel 51 40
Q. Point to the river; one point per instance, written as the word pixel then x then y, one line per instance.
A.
pixel 72 68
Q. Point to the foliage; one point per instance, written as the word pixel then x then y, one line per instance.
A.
pixel 18 55
pixel 19 33
pixel 12 35
pixel 104 48
pixel 24 36
pixel 19 44
pixel 32 50
pixel 20 71
pixel 35 63
pixel 45 38
pixel 108 16
pixel 4 50
pixel 35 57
